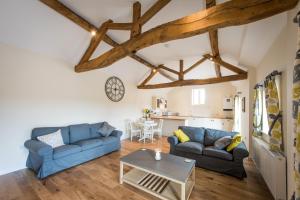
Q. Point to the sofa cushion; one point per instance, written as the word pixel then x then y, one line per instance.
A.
pixel 89 143
pixel 195 134
pixel 222 142
pixel 94 128
pixel 109 140
pixel 47 130
pixel 53 139
pixel 106 129
pixel 212 135
pixel 190 147
pixel 213 152
pixel 79 132
pixel 65 150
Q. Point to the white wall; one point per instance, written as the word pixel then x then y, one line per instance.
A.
pixel 40 91
pixel 179 100
pixel 245 88
pixel 281 57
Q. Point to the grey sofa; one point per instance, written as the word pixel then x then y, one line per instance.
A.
pixel 82 143
pixel 201 148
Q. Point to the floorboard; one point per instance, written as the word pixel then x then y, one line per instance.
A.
pixel 98 179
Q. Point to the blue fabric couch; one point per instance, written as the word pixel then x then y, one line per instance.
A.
pixel 82 143
pixel 201 148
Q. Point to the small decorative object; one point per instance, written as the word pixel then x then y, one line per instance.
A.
pixel 146 112
pixel 157 154
pixel 244 104
pixel 114 89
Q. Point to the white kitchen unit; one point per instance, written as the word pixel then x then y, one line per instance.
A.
pixel 214 123
pixel 171 123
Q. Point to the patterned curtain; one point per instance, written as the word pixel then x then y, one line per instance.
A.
pixel 296 115
pixel 257 114
pixel 274 112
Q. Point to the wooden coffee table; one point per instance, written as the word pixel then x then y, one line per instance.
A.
pixel 171 178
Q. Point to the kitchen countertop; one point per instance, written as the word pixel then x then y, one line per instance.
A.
pixel 185 117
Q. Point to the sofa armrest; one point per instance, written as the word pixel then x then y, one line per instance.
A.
pixel 173 140
pixel 117 133
pixel 240 152
pixel 38 147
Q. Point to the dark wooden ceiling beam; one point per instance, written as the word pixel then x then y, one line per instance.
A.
pixel 230 13
pixel 230 67
pixel 83 23
pixel 152 11
pixel 136 14
pixel 168 69
pixel 95 41
pixel 195 82
pixel 213 38
pixel 153 72
pixel 120 26
pixel 194 65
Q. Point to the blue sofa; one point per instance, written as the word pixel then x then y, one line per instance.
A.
pixel 201 148
pixel 82 143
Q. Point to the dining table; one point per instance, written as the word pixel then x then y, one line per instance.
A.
pixel 147 127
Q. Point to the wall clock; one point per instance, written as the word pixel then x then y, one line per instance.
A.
pixel 114 89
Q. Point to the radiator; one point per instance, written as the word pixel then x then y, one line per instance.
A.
pixel 272 167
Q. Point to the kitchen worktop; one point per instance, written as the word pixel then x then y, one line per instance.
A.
pixel 184 117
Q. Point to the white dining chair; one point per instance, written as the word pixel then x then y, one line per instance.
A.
pixel 135 130
pixel 159 127
pixel 148 132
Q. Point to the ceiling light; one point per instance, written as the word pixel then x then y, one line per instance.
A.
pixel 154 70
pixel 93 33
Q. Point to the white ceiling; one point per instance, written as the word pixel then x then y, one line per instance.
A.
pixel 32 25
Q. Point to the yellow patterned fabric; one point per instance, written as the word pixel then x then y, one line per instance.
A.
pixel 182 137
pixel 274 114
pixel 236 140
pixel 296 115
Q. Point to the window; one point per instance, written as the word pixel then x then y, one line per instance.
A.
pixel 265 123
pixel 198 96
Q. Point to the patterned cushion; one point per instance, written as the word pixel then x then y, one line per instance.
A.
pixel 53 139
pixel 223 142
pixel 212 135
pixel 105 130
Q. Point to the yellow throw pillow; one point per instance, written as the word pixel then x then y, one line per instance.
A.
pixel 236 140
pixel 182 137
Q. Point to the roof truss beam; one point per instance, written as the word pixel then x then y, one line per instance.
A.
pixel 83 23
pixel 230 13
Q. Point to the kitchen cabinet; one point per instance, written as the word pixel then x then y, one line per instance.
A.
pixel 213 123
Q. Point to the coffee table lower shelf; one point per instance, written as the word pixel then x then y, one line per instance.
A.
pixel 159 186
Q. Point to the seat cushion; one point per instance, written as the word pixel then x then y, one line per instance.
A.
pixel 213 152
pixel 109 140
pixel 212 135
pixel 79 132
pixel 190 147
pixel 65 150
pixel 195 134
pixel 95 129
pixel 89 143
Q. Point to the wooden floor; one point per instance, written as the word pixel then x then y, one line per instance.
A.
pixel 98 179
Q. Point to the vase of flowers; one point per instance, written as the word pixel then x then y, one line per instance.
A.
pixel 146 112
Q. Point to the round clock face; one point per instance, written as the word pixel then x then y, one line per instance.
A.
pixel 114 89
